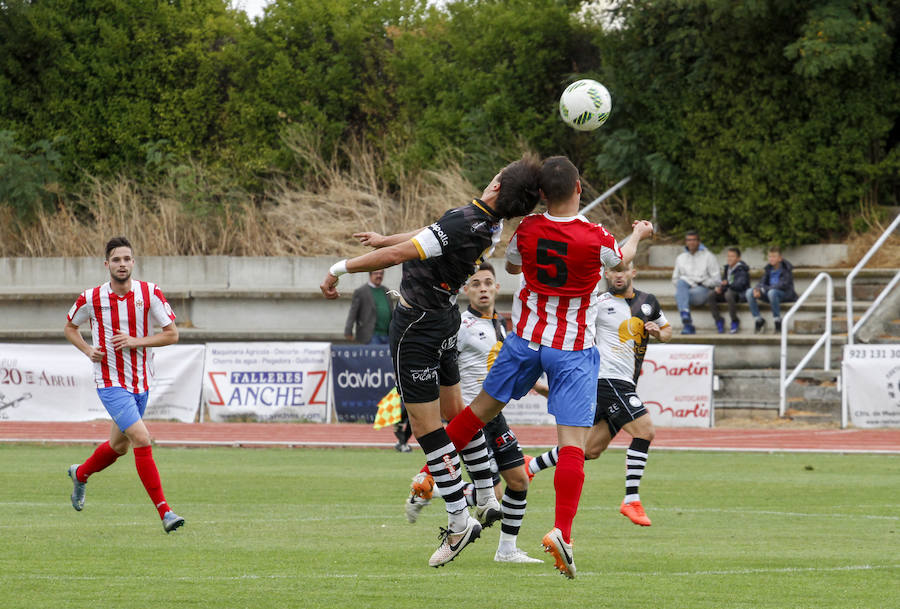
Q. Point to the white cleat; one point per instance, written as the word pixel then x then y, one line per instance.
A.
pixel 517 555
pixel 453 542
pixel 489 512
pixel 413 507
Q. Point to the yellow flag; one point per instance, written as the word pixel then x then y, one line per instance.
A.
pixel 388 410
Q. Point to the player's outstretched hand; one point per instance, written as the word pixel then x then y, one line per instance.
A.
pixel 370 239
pixel 642 228
pixel 329 287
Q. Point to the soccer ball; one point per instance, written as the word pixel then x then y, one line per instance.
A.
pixel 585 105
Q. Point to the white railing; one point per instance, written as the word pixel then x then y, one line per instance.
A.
pixel 852 328
pixel 825 338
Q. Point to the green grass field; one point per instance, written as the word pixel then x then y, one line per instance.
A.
pixel 325 528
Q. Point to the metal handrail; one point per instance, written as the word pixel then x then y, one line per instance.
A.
pixel 826 338
pixel 852 328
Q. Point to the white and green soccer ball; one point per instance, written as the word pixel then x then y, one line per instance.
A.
pixel 585 105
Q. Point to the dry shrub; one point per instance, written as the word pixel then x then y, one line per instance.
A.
pixel 887 256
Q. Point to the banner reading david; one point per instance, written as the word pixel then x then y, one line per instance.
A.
pixel 363 374
pixel 267 382
pixel 676 385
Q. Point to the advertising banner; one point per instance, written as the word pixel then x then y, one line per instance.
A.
pixel 268 382
pixel 362 375
pixel 871 384
pixel 56 383
pixel 676 385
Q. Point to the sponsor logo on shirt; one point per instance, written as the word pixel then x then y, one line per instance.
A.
pixel 424 375
pixel 440 234
pixel 646 309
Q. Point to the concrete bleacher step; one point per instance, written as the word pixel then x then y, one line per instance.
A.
pixel 813 397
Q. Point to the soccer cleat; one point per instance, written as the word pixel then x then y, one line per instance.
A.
pixel 759 325
pixel 561 552
pixel 449 548
pixel 489 513
pixel 634 511
pixel 402 447
pixel 171 521
pixel 735 327
pixel 422 485
pixel 720 326
pixel 414 506
pixel 517 555
pixel 77 488
pixel 528 460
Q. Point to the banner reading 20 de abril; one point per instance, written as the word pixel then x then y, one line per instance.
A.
pixel 268 382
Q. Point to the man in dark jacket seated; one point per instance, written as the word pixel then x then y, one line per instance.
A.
pixel 775 287
pixel 736 280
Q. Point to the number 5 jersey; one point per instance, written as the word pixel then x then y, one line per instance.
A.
pixel 562 262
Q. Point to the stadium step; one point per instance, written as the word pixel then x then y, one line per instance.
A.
pixel 813 397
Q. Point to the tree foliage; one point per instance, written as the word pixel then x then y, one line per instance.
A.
pixel 753 120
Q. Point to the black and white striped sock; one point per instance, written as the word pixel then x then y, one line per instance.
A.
pixel 478 464
pixel 443 463
pixel 513 507
pixel 635 462
pixel 545 460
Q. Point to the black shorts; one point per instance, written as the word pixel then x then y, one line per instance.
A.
pixel 617 404
pixel 423 349
pixel 503 443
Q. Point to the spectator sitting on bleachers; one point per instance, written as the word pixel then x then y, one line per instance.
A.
pixel 695 275
pixel 735 281
pixel 775 287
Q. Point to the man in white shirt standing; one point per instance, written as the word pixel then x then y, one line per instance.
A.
pixel 696 273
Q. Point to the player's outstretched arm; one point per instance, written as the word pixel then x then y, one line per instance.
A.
pixel 377 240
pixel 372 261
pixel 641 229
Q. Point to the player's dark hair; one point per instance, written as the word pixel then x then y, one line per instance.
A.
pixel 519 190
pixel 692 233
pixel 487 266
pixel 117 242
pixel 558 178
pixel 775 250
pixel 736 250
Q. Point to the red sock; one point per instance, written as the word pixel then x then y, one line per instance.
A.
pixel 149 475
pixel 463 427
pixel 567 481
pixel 103 457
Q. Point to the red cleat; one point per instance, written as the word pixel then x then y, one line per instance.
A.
pixel 634 511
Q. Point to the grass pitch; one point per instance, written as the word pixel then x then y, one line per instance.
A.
pixel 326 528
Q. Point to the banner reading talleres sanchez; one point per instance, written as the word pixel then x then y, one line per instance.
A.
pixel 268 381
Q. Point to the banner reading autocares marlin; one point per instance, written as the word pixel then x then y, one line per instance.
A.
pixel 676 385
pixel 267 381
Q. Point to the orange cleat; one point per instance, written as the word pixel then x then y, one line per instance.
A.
pixel 528 460
pixel 564 560
pixel 634 511
pixel 422 485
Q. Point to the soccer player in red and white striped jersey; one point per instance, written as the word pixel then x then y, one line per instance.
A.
pixel 561 255
pixel 122 313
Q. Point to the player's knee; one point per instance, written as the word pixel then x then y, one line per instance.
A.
pixel 139 438
pixel 516 479
pixel 593 452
